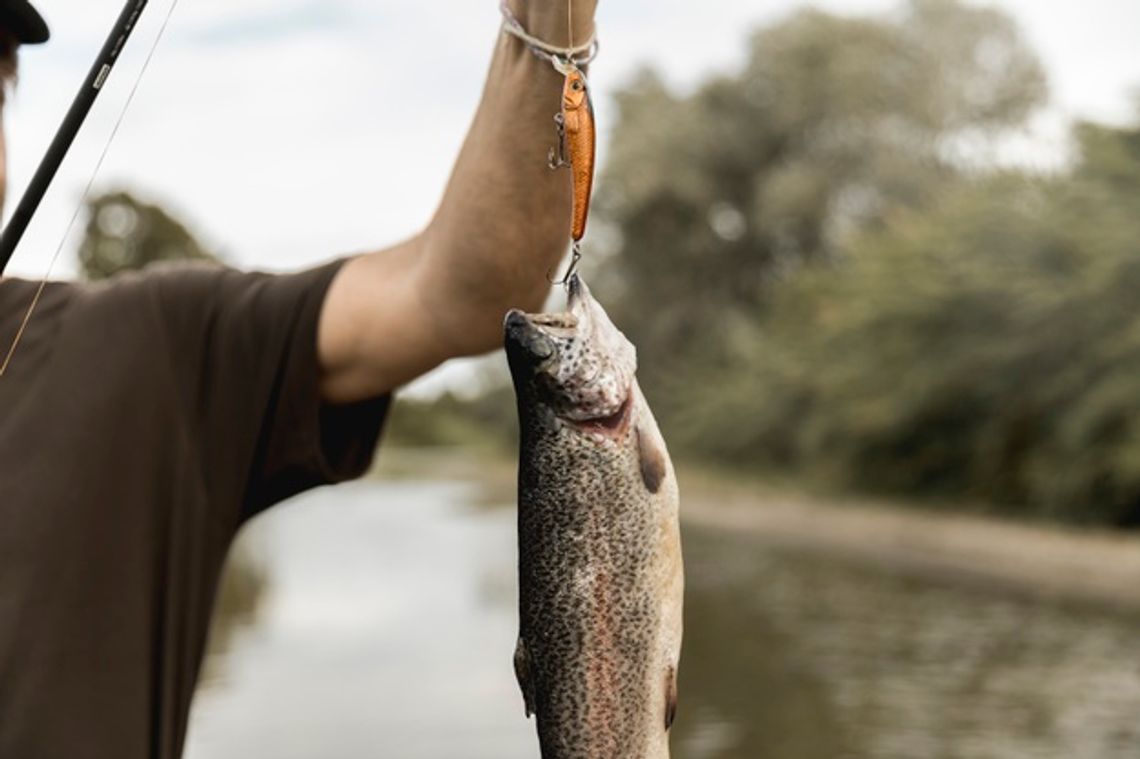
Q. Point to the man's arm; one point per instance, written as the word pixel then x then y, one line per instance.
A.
pixel 500 230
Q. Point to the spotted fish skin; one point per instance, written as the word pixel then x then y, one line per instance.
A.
pixel 600 571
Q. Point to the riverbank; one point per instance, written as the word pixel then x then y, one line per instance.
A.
pixel 1057 563
pixel 1046 561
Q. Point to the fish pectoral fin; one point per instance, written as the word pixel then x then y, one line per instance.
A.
pixel 652 460
pixel 670 696
pixel 522 672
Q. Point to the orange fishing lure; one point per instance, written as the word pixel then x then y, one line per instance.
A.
pixel 578 137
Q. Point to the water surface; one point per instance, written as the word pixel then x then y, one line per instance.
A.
pixel 387 621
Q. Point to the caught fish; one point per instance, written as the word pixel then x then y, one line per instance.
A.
pixel 600 575
pixel 577 141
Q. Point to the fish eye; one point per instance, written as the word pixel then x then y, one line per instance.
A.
pixel 577 85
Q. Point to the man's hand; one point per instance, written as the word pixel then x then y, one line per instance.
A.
pixel 501 228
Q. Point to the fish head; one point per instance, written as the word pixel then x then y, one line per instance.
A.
pixel 576 363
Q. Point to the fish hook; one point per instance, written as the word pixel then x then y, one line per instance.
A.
pixel 575 257
pixel 556 157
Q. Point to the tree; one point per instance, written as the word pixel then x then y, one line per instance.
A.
pixel 833 125
pixel 124 233
pixel 987 348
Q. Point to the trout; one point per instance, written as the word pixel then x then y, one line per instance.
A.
pixel 600 576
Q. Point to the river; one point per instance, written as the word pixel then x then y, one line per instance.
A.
pixel 387 620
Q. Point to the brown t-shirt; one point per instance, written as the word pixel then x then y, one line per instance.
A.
pixel 142 422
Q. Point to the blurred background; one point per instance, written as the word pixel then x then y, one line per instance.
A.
pixel 880 260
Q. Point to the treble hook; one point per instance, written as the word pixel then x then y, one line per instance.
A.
pixel 556 157
pixel 575 257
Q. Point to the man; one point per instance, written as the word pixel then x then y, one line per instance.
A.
pixel 142 421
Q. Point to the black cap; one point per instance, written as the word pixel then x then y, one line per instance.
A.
pixel 23 21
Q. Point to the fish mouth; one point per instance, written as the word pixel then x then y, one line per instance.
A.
pixel 536 335
pixel 519 324
pixel 561 321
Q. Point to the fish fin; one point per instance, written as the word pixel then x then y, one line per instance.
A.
pixel 652 461
pixel 522 672
pixel 670 696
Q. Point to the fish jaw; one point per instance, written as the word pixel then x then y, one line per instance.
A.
pixel 576 362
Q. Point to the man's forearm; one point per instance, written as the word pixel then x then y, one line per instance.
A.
pixel 503 223
pixel 500 230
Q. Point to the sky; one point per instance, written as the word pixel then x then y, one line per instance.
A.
pixel 287 132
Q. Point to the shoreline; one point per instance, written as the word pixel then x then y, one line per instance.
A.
pixel 1054 563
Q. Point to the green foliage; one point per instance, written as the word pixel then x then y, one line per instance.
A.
pixel 988 347
pixel 125 234
pixel 833 125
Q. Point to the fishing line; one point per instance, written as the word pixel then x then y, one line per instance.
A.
pixel 86 193
pixel 558 57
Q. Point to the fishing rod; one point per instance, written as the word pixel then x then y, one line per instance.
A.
pixel 68 129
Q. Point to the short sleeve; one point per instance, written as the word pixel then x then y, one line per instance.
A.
pixel 244 347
